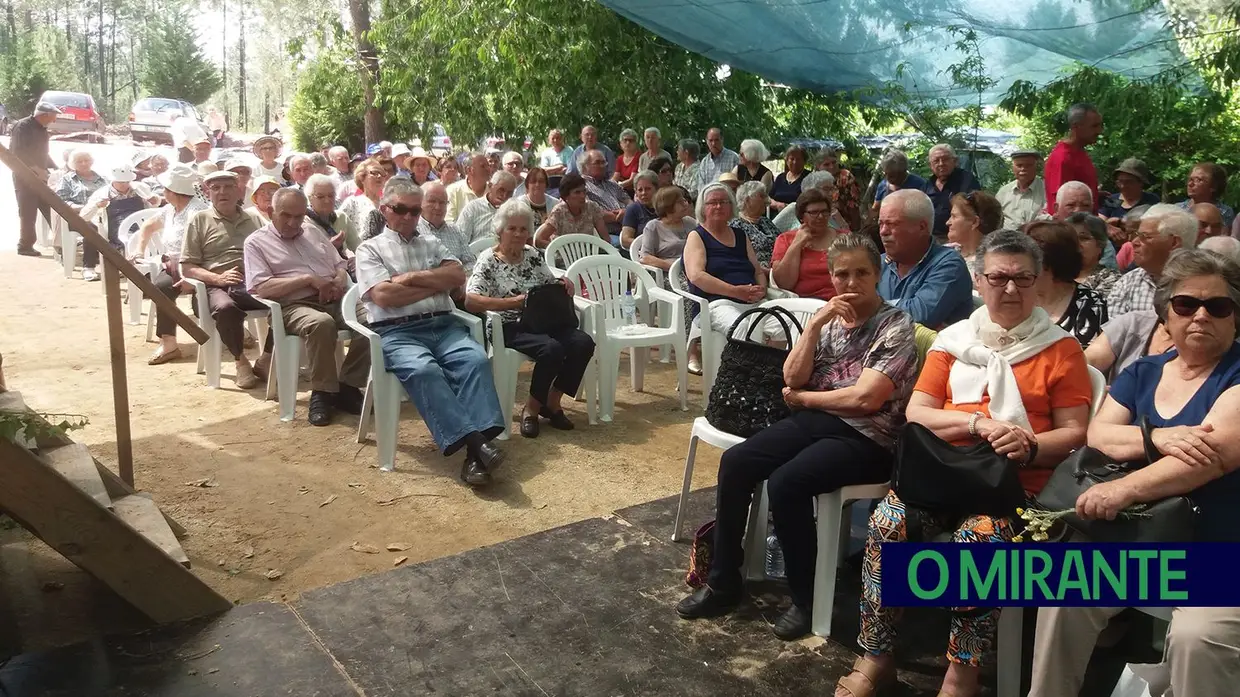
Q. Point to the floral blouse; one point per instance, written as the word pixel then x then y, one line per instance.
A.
pixel 1102 280
pixel 686 177
pixel 1085 315
pixel 495 278
pixel 761 235
pixel 847 196
pixel 565 223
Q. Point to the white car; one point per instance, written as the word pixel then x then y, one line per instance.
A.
pixel 151 118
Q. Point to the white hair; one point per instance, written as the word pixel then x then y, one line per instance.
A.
pixel 585 155
pixel 1068 187
pixel 287 192
pixel 753 150
pixel 942 147
pixel 77 155
pixel 1174 221
pixel 337 150
pixel 503 176
pixel 1222 245
pixel 748 190
pixel 914 205
pixel 397 187
pixel 297 157
pixel 512 208
pixel 653 130
pixel 628 133
pixel 818 179
pixel 710 188
pixel 316 180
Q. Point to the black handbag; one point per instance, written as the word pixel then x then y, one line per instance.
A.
pixel 748 392
pixel 1168 520
pixel 548 309
pixel 939 477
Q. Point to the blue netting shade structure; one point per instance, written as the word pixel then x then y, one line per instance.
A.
pixel 848 45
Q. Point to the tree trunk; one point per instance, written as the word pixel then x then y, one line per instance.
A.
pixel 103 64
pixel 242 116
pixel 359 12
pixel 112 94
pixel 224 46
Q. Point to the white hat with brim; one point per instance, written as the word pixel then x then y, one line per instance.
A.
pixel 260 183
pixel 179 180
pixel 124 173
pixel 207 168
pixel 399 149
pixel 238 163
pixel 219 175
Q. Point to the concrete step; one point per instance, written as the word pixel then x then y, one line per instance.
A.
pixel 74 461
pixel 143 515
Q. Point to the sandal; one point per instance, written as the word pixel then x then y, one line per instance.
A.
pixel 162 357
pixel 866 679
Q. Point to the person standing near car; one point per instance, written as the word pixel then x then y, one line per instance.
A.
pixel 30 143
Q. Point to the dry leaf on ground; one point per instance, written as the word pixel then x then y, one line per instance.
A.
pixel 400 560
pixel 247 552
pixel 202 483
pixel 364 549
pixel 398 546
pixel 273 574
pixel 328 500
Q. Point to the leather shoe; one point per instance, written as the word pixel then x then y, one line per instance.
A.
pixel 529 426
pixel 321 408
pixel 349 399
pixel 557 419
pixel 793 624
pixel 706 602
pixel 29 252
pixel 490 456
pixel 474 473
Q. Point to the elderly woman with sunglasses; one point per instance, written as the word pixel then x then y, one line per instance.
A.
pixel 363 208
pixel 1195 451
pixel 1006 376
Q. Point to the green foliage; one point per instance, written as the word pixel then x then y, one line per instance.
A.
pixel 23 77
pixel 1159 121
pixel 328 106
pixel 31 426
pixel 173 65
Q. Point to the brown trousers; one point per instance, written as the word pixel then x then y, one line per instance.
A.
pixel 317 325
pixel 228 308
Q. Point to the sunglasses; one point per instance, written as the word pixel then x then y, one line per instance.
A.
pixel 1000 280
pixel 1187 306
pixel 405 210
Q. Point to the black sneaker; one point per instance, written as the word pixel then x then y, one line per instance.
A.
pixel 706 602
pixel 349 399
pixel 321 407
pixel 793 624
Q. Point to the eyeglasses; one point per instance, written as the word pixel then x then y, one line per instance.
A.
pixel 398 209
pixel 818 212
pixel 1187 306
pixel 1000 280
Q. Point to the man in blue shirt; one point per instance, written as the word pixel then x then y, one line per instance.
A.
pixel 948 181
pixel 589 141
pixel 926 280
pixel 896 176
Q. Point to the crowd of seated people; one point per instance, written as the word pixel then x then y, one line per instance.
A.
pixel 1027 288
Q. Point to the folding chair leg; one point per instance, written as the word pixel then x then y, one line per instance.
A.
pixel 639 356
pixel 830 519
pixel 387 420
pixel 68 249
pixel 684 488
pixel 287 371
pixel 506 385
pixel 755 535
pixel 213 351
pixel 133 298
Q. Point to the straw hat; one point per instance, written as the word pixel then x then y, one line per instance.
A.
pixel 263 140
pixel 419 153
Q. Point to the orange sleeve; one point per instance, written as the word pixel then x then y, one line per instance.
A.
pixel 1070 385
pixel 934 373
pixel 782 242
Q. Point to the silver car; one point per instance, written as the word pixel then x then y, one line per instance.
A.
pixel 151 118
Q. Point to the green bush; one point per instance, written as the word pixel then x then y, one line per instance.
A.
pixel 23 77
pixel 328 106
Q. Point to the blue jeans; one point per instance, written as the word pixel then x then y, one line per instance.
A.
pixel 447 375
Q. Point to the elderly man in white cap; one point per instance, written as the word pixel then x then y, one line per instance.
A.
pixel 212 252
pixel 400 157
pixel 244 169
pixel 120 199
pixel 1023 198
pixel 179 191
pixel 30 144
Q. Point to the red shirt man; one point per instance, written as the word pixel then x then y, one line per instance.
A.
pixel 1069 161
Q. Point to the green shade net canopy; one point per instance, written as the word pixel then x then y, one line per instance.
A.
pixel 849 45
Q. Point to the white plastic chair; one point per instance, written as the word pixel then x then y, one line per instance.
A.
pixel 68 243
pixel 285 371
pixel 478 246
pixel 665 355
pixel 211 353
pixel 604 278
pixel 506 364
pixel 150 263
pixel 564 250
pixel 383 390
pixel 712 341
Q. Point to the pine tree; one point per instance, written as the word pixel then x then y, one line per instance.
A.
pixel 174 66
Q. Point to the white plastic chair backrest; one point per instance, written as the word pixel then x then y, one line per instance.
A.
pixel 633 247
pixel 801 308
pixel 564 250
pixel 479 246
pixel 132 221
pixel 676 277
pixel 605 278
pixel 1099 384
pixel 348 304
pixel 772 282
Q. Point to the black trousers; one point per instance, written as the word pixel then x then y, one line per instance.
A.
pixel 165 325
pixel 809 453
pixel 28 209
pixel 560 359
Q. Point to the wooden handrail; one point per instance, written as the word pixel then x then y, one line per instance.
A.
pixel 100 242
pixel 115 265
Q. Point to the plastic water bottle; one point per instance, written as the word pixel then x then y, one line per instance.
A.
pixel 628 308
pixel 774 558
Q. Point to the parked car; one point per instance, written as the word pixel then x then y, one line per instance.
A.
pixel 441 144
pixel 4 121
pixel 78 113
pixel 151 118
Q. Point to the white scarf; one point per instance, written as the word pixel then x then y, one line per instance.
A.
pixel 985 353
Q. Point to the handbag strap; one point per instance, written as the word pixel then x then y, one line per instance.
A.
pixel 781 315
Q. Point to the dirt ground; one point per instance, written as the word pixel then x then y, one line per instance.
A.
pixel 295 498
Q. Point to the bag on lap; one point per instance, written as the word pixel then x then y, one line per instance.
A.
pixel 548 310
pixel 935 475
pixel 748 392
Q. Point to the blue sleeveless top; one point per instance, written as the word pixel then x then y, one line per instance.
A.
pixel 1218 500
pixel 728 264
